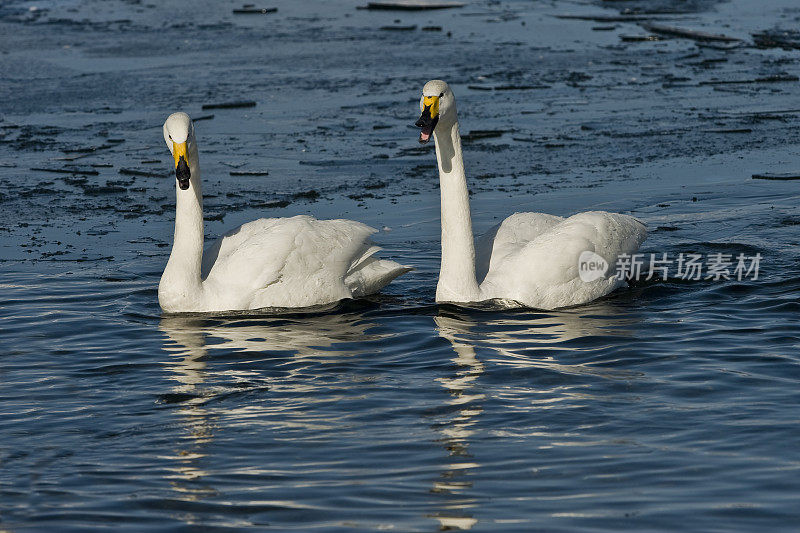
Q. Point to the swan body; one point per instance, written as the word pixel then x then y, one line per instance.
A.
pixel 270 262
pixel 529 259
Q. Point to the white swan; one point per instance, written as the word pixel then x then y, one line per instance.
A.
pixel 529 259
pixel 270 262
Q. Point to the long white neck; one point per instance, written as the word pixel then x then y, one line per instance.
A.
pixel 457 281
pixel 181 283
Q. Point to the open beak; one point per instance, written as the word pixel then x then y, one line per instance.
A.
pixel 181 166
pixel 429 118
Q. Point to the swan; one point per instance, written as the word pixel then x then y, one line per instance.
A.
pixel 269 262
pixel 529 259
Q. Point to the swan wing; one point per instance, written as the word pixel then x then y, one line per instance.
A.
pixel 509 237
pixel 287 262
pixel 543 272
pixel 236 259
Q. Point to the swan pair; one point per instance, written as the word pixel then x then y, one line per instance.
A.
pixel 530 259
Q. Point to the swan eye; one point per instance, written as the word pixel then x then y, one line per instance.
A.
pixel 170 137
pixel 442 94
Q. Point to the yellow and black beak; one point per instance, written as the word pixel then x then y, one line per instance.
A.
pixel 182 171
pixel 429 118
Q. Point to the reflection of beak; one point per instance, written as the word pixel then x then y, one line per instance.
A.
pixel 181 166
pixel 429 118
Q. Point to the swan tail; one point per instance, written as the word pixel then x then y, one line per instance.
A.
pixel 368 252
pixel 371 274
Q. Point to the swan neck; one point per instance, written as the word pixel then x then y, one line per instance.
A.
pixel 457 281
pixel 182 275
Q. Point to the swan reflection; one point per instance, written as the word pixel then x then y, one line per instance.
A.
pixel 457 429
pixel 556 341
pixel 304 336
pixel 547 341
pixel 189 373
pixel 293 343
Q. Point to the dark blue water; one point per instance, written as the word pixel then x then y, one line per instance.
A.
pixel 643 410
pixel 670 405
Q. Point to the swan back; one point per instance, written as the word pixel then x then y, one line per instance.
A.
pixel 544 272
pixel 293 262
pixel 509 237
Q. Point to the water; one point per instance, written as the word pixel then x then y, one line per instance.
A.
pixel 666 406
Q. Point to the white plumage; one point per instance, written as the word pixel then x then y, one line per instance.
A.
pixel 534 256
pixel 294 262
pixel 267 263
pixel 530 259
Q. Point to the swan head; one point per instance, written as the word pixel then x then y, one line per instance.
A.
pixel 437 105
pixel 178 134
